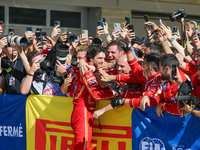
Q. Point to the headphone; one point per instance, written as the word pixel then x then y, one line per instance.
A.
pixel 195 25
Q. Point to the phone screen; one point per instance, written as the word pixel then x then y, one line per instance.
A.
pixel 1 25
pixel 38 34
pixel 56 23
pixel 44 34
pixel 128 20
pixel 28 29
pixel 101 23
pixel 173 72
pixel 84 34
pixel 175 29
pixel 131 27
pixel 117 27
pixel 39 29
pixel 146 18
pixel 104 20
pixel 160 20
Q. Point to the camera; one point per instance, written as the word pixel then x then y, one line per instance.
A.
pixel 72 37
pixel 178 15
pixel 44 64
pixel 61 52
pixel 11 32
pixel 192 101
pixel 74 64
pixel 21 41
pixel 185 96
pixel 97 41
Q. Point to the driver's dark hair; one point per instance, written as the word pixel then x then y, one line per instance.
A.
pixel 153 59
pixel 169 60
pixel 94 50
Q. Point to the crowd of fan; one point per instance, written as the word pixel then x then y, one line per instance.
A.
pixel 129 71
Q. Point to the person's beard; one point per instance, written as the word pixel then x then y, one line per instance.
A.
pixel 165 77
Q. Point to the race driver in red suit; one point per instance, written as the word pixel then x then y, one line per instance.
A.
pixel 84 103
pixel 169 87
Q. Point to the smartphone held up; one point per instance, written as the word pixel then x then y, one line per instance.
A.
pixel 1 25
pixel 173 72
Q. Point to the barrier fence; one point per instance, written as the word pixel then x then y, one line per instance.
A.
pixel 43 123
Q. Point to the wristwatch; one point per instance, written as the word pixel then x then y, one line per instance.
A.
pixel 171 39
pixel 107 34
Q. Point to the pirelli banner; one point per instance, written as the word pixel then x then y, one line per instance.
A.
pixel 43 123
pixel 48 125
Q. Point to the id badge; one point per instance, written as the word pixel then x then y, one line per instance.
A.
pixel 12 80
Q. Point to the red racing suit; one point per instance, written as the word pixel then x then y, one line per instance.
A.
pixel 126 93
pixel 168 96
pixel 136 76
pixel 84 106
pixel 151 86
pixel 190 68
pixel 151 89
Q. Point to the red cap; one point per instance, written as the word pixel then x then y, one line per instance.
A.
pixel 44 51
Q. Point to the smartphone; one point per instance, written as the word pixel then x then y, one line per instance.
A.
pixel 128 20
pixel 160 20
pixel 149 26
pixel 84 33
pixel 173 72
pixel 44 34
pixel 131 27
pixel 28 28
pixel 39 29
pixel 104 20
pixel 146 18
pixel 144 39
pixel 117 27
pixel 11 31
pixel 38 34
pixel 100 23
pixel 1 25
pixel 56 23
pixel 174 29
pixel 198 36
pixel 39 38
pixel 77 38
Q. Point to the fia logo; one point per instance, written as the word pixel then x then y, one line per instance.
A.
pixel 151 144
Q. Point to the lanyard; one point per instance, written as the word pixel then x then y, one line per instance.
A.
pixel 11 69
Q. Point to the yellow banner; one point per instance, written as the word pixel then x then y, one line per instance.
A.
pixel 48 125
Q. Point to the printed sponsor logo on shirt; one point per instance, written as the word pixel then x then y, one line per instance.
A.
pixel 164 86
pixel 91 82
